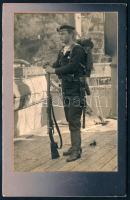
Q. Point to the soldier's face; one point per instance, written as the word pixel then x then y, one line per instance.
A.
pixel 65 36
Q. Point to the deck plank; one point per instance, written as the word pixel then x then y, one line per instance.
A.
pixel 33 154
pixel 88 161
pixel 110 165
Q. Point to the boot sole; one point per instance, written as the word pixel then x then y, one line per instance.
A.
pixel 79 156
pixel 68 154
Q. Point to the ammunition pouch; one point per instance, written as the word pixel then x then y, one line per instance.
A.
pixel 75 85
pixel 70 85
pixel 70 78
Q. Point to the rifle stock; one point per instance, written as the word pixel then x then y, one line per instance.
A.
pixel 54 151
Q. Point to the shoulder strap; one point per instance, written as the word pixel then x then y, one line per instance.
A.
pixel 72 47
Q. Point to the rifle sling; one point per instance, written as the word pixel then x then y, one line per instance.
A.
pixel 57 127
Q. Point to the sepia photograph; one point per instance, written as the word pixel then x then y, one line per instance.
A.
pixel 64 100
pixel 65 92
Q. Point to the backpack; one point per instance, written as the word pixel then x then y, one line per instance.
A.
pixel 87 45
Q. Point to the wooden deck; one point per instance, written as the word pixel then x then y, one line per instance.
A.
pixel 32 154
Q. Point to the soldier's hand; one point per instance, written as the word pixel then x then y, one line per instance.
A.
pixel 50 70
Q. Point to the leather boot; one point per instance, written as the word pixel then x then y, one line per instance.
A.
pixel 68 152
pixel 74 156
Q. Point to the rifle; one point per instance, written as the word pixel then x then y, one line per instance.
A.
pixel 50 125
pixel 84 111
pixel 83 92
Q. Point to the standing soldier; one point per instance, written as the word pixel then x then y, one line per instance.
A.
pixel 68 68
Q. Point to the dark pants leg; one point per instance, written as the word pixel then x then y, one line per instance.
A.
pixel 73 116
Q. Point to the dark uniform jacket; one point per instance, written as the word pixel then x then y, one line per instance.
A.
pixel 68 68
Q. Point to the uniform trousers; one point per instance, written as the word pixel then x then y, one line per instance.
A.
pixel 73 112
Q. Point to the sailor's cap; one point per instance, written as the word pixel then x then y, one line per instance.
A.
pixel 65 27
